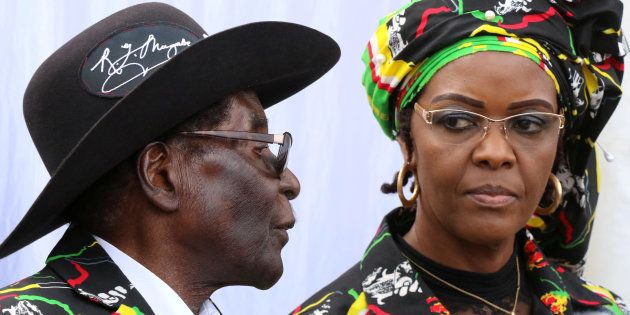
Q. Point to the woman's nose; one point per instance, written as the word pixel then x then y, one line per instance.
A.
pixel 494 151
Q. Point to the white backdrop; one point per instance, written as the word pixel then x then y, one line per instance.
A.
pixel 340 155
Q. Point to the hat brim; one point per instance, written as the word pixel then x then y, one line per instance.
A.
pixel 274 59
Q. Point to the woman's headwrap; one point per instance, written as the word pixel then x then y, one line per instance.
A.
pixel 578 43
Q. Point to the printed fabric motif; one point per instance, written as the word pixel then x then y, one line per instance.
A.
pixel 508 6
pixel 385 282
pixel 79 278
pixel 580 46
pixel 380 284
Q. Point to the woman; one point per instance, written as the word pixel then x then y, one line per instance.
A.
pixel 496 106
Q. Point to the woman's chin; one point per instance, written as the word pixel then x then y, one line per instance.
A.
pixel 488 234
pixel 488 226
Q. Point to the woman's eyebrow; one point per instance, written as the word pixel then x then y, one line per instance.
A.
pixel 530 103
pixel 459 98
pixel 476 103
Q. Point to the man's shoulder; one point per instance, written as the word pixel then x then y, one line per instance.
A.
pixel 79 278
pixel 42 283
pixel 335 298
pixel 44 293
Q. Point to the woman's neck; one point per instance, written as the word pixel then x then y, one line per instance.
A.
pixel 432 240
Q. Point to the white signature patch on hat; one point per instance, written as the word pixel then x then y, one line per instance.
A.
pixel 122 61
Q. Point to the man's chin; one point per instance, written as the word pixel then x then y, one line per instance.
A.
pixel 269 277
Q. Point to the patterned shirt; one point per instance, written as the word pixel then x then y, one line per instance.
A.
pixel 386 282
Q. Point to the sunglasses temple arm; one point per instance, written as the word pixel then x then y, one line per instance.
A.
pixel 278 139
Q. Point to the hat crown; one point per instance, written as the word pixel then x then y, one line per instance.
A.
pixel 87 76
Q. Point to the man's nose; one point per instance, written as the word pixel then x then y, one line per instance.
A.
pixel 289 184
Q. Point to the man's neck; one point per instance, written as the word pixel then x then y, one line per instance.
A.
pixel 169 265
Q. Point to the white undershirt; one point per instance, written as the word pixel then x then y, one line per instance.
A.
pixel 159 295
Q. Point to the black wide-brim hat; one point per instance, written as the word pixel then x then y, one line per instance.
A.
pixel 135 75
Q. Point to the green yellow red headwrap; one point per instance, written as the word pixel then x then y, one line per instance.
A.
pixel 421 74
pixel 579 44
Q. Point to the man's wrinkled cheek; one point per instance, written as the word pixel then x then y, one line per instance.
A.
pixel 248 203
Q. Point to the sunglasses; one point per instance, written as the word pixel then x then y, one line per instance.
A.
pixel 280 153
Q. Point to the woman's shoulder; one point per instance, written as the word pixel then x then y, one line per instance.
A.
pixel 563 290
pixel 589 297
pixel 335 298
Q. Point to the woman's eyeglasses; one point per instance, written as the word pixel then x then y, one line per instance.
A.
pixel 280 153
pixel 455 126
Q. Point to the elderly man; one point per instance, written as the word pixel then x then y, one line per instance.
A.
pixel 157 142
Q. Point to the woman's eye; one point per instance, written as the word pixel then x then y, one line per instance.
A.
pixel 457 121
pixel 528 124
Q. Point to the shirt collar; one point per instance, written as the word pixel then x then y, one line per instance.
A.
pixel 81 262
pixel 159 295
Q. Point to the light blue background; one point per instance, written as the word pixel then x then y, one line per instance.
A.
pixel 339 155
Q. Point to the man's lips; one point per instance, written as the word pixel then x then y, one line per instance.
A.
pixel 286 225
pixel 280 231
pixel 491 196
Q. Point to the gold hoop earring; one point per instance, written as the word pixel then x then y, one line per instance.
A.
pixel 407 203
pixel 557 197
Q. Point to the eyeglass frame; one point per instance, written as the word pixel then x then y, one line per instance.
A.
pixel 285 140
pixel 427 116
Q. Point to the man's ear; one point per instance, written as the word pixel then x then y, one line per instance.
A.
pixel 406 150
pixel 157 176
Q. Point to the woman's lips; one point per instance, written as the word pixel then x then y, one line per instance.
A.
pixel 496 201
pixel 491 196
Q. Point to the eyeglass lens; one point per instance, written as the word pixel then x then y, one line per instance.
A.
pixel 282 156
pixel 523 130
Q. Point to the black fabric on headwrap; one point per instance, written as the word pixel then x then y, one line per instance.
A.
pixel 579 42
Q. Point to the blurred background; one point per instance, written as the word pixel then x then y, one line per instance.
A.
pixel 340 154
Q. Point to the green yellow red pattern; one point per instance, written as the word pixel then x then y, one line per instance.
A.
pixel 556 301
pixel 420 76
pixel 406 45
pixel 580 46
pixel 385 282
pixel 79 278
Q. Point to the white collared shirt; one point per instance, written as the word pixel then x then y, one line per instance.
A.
pixel 162 299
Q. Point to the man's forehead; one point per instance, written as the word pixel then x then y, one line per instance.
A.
pixel 245 113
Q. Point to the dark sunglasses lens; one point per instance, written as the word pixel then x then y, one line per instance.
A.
pixel 283 153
